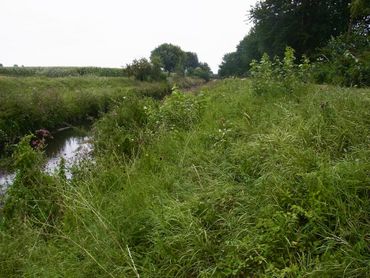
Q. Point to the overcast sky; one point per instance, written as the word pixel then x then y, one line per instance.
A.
pixel 111 33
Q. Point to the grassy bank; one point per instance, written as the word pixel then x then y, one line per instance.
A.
pixel 31 103
pixel 222 183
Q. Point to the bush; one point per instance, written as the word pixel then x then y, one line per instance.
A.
pixel 279 76
pixel 143 70
pixel 202 71
pixel 178 111
pixel 122 130
pixel 344 61
pixel 33 195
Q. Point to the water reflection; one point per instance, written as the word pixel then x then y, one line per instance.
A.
pixel 72 150
pixel 6 179
pixel 72 145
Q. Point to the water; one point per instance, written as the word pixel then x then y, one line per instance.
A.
pixel 5 180
pixel 72 145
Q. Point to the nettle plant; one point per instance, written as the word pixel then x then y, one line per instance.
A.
pixel 275 76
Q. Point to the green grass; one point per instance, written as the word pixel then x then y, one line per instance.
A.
pixel 220 183
pixel 61 71
pixel 31 103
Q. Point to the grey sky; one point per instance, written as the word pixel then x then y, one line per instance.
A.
pixel 112 33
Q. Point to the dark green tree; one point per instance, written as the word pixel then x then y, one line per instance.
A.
pixel 203 71
pixel 301 24
pixel 304 25
pixel 191 60
pixel 143 70
pixel 360 18
pixel 238 63
pixel 230 65
pixel 170 56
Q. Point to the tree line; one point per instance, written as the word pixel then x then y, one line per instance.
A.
pixel 167 59
pixel 333 30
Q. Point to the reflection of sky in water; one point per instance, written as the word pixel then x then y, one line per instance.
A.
pixel 72 149
pixel 5 180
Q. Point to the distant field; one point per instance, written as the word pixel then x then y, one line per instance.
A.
pixel 31 103
pixel 221 182
pixel 61 71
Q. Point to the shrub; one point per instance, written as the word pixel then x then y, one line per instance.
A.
pixel 344 61
pixel 143 70
pixel 178 111
pixel 202 71
pixel 33 195
pixel 122 130
pixel 279 76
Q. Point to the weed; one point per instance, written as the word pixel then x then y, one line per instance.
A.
pixel 223 183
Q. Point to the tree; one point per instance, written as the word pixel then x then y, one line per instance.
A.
pixel 203 71
pixel 304 25
pixel 301 24
pixel 238 63
pixel 360 17
pixel 170 56
pixel 360 8
pixel 191 60
pixel 230 65
pixel 143 70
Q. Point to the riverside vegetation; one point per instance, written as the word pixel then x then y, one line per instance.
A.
pixel 31 103
pixel 243 178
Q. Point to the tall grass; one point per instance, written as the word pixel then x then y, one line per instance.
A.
pixel 31 103
pixel 222 183
pixel 61 71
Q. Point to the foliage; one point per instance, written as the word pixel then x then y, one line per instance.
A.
pixel 61 71
pixel 202 71
pixel 170 56
pixel 191 60
pixel 143 70
pixel 173 59
pixel 185 82
pixel 29 104
pixel 303 25
pixel 238 63
pixel 244 186
pixel 345 61
pixel 179 111
pixel 360 11
pixel 121 130
pixel 273 77
pixel 33 195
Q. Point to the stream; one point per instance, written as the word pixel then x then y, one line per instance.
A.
pixel 70 144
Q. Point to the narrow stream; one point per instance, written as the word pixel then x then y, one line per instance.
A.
pixel 71 144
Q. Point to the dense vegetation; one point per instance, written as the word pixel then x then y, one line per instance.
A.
pixel 228 181
pixel 334 33
pixel 61 71
pixel 31 103
pixel 173 59
pixel 168 60
pixel 264 177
